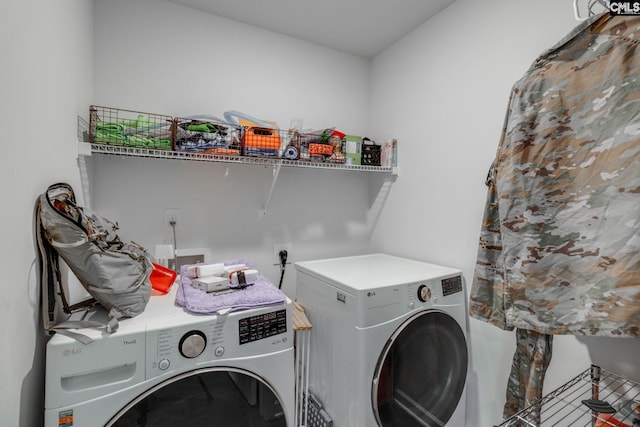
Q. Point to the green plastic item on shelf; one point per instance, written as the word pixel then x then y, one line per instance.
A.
pixel 161 144
pixel 102 137
pixel 141 121
pixel 138 141
pixel 201 127
pixel 109 127
pixel 353 149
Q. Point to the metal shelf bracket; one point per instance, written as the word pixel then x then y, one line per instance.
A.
pixel 276 173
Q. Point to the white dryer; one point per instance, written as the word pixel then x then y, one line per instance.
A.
pixel 167 367
pixel 388 344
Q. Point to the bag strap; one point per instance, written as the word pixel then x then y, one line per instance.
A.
pixel 65 327
pixel 46 270
pixel 49 272
pixel 64 193
pixel 49 276
pixel 112 324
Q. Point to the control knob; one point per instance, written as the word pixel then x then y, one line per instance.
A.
pixel 424 293
pixel 192 344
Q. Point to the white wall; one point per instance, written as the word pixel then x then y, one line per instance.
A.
pixel 443 92
pixel 46 82
pixel 165 58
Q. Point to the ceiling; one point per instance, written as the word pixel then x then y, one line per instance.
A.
pixel 359 27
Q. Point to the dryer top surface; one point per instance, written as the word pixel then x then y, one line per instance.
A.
pixel 373 271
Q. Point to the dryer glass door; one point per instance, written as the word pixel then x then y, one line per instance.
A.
pixel 207 397
pixel 421 373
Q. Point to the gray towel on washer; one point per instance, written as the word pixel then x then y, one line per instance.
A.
pixel 260 294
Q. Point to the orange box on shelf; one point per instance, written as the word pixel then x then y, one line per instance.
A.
pixel 321 149
pixel 261 142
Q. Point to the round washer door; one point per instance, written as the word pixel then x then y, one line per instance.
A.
pixel 421 373
pixel 206 397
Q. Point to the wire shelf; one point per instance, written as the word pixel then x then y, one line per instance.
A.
pixel 564 406
pixel 120 132
pixel 120 150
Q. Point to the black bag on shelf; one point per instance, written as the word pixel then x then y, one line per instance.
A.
pixel 370 153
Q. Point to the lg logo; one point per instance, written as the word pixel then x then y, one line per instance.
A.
pixel 72 351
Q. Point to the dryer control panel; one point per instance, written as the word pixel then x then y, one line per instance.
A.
pixel 451 286
pixel 434 291
pixel 423 293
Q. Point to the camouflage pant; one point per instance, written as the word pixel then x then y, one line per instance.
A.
pixel 530 362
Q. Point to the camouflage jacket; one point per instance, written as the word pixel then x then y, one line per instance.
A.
pixel 559 249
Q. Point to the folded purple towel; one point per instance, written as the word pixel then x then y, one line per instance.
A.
pixel 260 294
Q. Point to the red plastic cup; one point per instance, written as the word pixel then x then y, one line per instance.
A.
pixel 162 278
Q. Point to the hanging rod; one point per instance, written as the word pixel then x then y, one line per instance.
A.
pixel 590 5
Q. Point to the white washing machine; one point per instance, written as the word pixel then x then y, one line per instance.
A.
pixel 167 367
pixel 388 344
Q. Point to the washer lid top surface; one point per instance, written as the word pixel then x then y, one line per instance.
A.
pixel 161 312
pixel 372 271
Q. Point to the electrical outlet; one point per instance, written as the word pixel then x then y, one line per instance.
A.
pixel 171 215
pixel 188 260
pixel 276 252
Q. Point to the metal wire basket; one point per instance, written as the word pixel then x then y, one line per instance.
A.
pixel 115 126
pixel 595 397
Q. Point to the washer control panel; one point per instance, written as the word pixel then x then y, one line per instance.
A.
pixel 262 326
pixel 424 293
pixel 192 344
pixel 178 342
